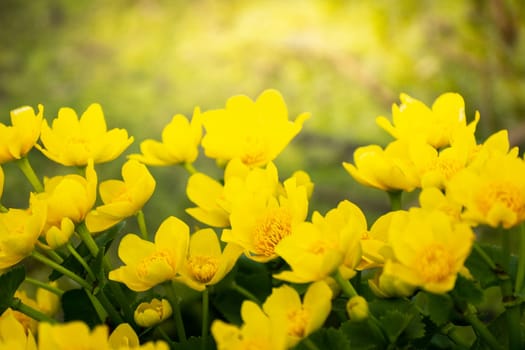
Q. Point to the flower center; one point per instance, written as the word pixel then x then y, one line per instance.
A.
pixel 158 264
pixel 254 151
pixel 297 322
pixel 504 193
pixel 446 167
pixel 271 229
pixel 202 267
pixel 434 263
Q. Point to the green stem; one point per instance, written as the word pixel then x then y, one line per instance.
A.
pixel 114 315
pixel 244 292
pixel 177 314
pixel 142 225
pixel 46 286
pixel 46 261
pixel 512 312
pixel 88 240
pixel 345 284
pixel 480 328
pixel 520 275
pixel 395 199
pixel 309 344
pixel 488 260
pixel 18 305
pixel 81 260
pixel 162 332
pixel 205 317
pixel 99 309
pixel 506 248
pixel 25 166
pixel 190 168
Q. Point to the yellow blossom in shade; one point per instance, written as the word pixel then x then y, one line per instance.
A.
pixel 72 141
pixel 19 138
pixel 148 264
pixel 259 221
pixel 435 126
pixel 152 313
pixel 44 301
pixel 390 169
pixel 70 196
pixel 254 131
pixel 57 236
pixel 180 142
pixel 429 249
pixel 256 332
pixel 19 231
pixel 125 338
pixel 318 249
pixel 122 198
pixel 300 319
pixel 72 335
pixel 493 192
pixel 205 263
pixel 13 335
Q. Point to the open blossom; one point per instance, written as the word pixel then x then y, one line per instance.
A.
pixel 254 131
pixel 72 141
pixel 19 138
pixel 429 249
pixel 205 263
pixel 13 335
pixel 180 142
pixel 150 263
pixel 435 126
pixel 124 338
pixel 19 232
pixel 122 198
pixel 2 179
pixel 318 249
pixel 389 169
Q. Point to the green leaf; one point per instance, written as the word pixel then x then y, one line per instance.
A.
pixel 195 343
pixel 468 290
pixel 326 338
pixel 362 336
pixel 9 283
pixel 77 306
pixel 434 306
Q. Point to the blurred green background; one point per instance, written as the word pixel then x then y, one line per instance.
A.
pixel 346 62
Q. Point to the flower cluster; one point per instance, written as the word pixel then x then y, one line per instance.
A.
pixel 259 267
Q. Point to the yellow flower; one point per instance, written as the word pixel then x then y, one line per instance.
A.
pixel 68 199
pixel 492 193
pixel 256 332
pixel 374 243
pixel 357 308
pixel 299 319
pixel 180 142
pixel 122 198
pixel 72 335
pixel 256 132
pixel 207 194
pixel 17 140
pixel 434 199
pixel 2 179
pixel 73 141
pixel 260 221
pixel 429 249
pixel 316 250
pixel 390 169
pixel 19 231
pixel 148 264
pixel 152 313
pixel 125 338
pixel 436 126
pixel 44 301
pixel 205 263
pixel 13 335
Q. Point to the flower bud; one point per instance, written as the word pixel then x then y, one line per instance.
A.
pixel 152 313
pixel 357 308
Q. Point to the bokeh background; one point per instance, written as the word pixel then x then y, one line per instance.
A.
pixel 346 62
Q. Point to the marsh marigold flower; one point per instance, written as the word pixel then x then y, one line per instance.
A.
pixel 125 338
pixel 13 335
pixel 436 126
pixel 256 332
pixel 205 263
pixel 429 249
pixel 255 132
pixel 389 169
pixel 19 231
pixel 152 313
pixel 2 179
pixel 19 138
pixel 72 335
pixel 299 319
pixel 259 222
pixel 72 141
pixel 44 301
pixel 122 198
pixel 148 264
pixel 318 249
pixel 180 142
